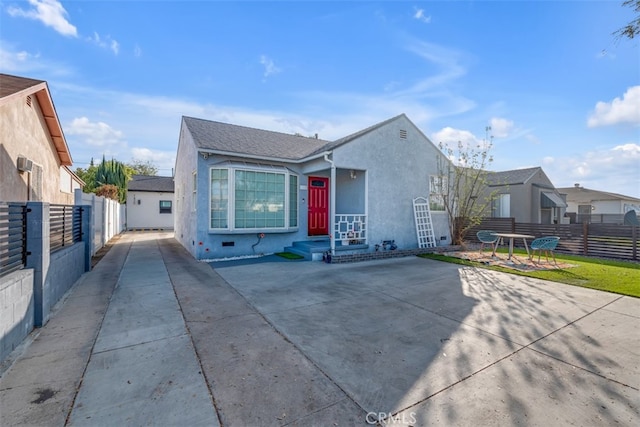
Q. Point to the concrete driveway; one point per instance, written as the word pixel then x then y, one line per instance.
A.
pixel 420 342
pixel 153 337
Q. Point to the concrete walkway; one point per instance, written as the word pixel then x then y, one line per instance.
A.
pixel 152 337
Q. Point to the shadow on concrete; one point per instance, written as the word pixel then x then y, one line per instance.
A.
pixel 400 336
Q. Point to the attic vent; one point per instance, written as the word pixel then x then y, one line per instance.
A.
pixel 403 134
pixel 29 101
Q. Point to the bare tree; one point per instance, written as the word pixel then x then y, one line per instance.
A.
pixel 632 29
pixel 462 176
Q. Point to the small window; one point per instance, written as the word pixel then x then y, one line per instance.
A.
pixel 437 190
pixel 165 206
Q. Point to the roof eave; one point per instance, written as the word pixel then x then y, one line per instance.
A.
pixel 263 158
pixel 53 124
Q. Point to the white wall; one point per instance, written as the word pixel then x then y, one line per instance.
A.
pixel 143 210
pixel 108 217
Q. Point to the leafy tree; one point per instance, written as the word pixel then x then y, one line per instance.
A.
pixel 89 177
pixel 115 173
pixel 632 29
pixel 462 177
pixel 140 167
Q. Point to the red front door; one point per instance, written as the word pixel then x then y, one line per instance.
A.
pixel 318 217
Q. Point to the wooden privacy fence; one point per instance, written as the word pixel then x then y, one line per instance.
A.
pixel 597 240
pixel 13 237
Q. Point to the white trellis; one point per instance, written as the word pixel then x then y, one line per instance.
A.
pixel 424 225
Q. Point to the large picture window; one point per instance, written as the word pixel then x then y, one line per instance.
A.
pixel 253 199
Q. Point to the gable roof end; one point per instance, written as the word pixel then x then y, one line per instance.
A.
pixel 12 87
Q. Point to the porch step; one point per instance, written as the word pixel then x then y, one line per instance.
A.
pixel 314 249
pixel 310 249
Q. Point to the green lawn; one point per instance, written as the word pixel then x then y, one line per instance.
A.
pixel 613 276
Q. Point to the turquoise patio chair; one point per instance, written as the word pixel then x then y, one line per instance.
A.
pixel 487 237
pixel 546 244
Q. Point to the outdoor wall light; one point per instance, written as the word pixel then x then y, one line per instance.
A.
pixel 352 174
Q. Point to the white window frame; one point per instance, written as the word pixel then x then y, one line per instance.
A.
pixel 231 188
pixel 501 201
pixel 437 184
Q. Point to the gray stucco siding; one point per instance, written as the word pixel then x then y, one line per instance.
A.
pixel 216 244
pixel 397 171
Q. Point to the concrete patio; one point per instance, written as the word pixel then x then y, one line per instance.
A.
pixel 153 337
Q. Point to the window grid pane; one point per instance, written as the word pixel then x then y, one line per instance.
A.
pixel 219 198
pixel 259 199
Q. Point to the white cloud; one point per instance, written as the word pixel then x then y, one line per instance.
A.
pixel 50 13
pixel 163 160
pixel 615 169
pixel 501 128
pixel 420 16
pixel 450 137
pixel 270 67
pixel 137 51
pixel 16 61
pixel 22 62
pixel 105 42
pixel 115 46
pixel 95 134
pixel 625 110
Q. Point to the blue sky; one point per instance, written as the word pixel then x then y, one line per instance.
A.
pixel 549 78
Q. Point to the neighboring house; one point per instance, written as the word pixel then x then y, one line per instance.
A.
pixel 150 201
pixel 243 191
pixel 526 195
pixel 34 156
pixel 597 206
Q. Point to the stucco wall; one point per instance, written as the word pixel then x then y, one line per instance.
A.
pixel 143 210
pixel 24 133
pixel 185 223
pixel 398 171
pixel 16 309
pixel 390 173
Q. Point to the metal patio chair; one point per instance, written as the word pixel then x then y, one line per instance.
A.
pixel 487 237
pixel 546 244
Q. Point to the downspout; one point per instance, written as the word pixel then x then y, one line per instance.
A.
pixel 332 203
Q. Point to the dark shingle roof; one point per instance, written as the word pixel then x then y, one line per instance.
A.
pixel 512 177
pixel 163 184
pixel 14 84
pixel 211 135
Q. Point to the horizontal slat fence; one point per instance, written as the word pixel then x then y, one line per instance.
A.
pixel 597 240
pixel 65 226
pixel 13 237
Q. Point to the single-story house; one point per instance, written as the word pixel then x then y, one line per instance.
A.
pixel 242 191
pixel 527 195
pixel 150 202
pixel 584 204
pixel 34 156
